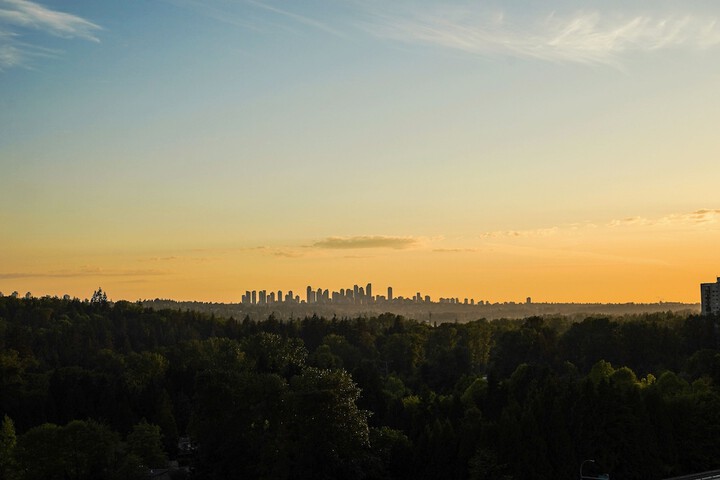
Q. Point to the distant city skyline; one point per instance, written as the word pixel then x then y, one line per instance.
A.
pixel 356 295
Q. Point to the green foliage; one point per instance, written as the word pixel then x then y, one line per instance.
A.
pixel 384 397
pixel 99 297
pixel 475 393
pixel 80 450
pixel 330 433
pixel 8 441
pixel 41 453
pixel 145 442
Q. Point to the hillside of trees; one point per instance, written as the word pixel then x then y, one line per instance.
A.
pixel 100 390
pixel 423 311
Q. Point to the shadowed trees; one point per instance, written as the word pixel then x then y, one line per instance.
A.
pixel 93 389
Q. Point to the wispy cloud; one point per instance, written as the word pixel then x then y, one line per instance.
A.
pixel 454 250
pixel 584 37
pixel 170 258
pixel 311 22
pixel 692 220
pixel 10 55
pixel 237 14
pixel 286 254
pixel 537 232
pixel 27 14
pixel 217 11
pixel 281 252
pixel 82 272
pixel 366 241
pixel 20 16
pixel 697 218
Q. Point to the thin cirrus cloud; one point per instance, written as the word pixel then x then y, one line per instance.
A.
pixel 366 241
pixel 20 16
pixel 311 22
pixel 454 250
pixel 581 37
pixel 246 14
pixel 84 272
pixel 698 219
pixel 280 252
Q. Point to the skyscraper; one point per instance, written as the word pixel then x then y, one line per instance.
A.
pixel 710 298
pixel 390 296
pixel 368 292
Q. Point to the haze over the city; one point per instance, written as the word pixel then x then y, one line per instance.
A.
pixel 493 150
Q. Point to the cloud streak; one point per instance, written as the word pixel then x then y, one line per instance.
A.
pixel 697 218
pixel 307 21
pixel 454 250
pixel 538 232
pixel 580 37
pixel 20 16
pixel 366 241
pixel 237 14
pixel 84 272
pixel 693 220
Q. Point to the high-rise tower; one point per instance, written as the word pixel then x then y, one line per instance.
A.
pixel 710 298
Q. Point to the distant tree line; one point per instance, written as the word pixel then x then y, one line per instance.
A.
pixel 100 390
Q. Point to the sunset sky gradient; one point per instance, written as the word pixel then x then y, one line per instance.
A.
pixel 496 150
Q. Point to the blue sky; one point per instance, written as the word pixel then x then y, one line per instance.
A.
pixel 133 130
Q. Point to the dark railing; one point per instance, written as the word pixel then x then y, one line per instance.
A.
pixel 712 475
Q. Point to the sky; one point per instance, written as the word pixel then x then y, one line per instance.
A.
pixel 495 150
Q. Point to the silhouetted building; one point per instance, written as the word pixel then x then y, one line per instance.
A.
pixel 390 296
pixel 368 292
pixel 710 298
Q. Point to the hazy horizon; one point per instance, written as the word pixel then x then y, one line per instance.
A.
pixel 191 150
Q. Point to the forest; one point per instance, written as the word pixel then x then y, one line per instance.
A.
pixel 93 389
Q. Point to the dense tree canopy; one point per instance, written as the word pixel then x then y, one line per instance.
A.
pixel 100 390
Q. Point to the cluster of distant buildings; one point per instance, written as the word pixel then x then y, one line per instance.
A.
pixel 356 295
pixel 710 298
